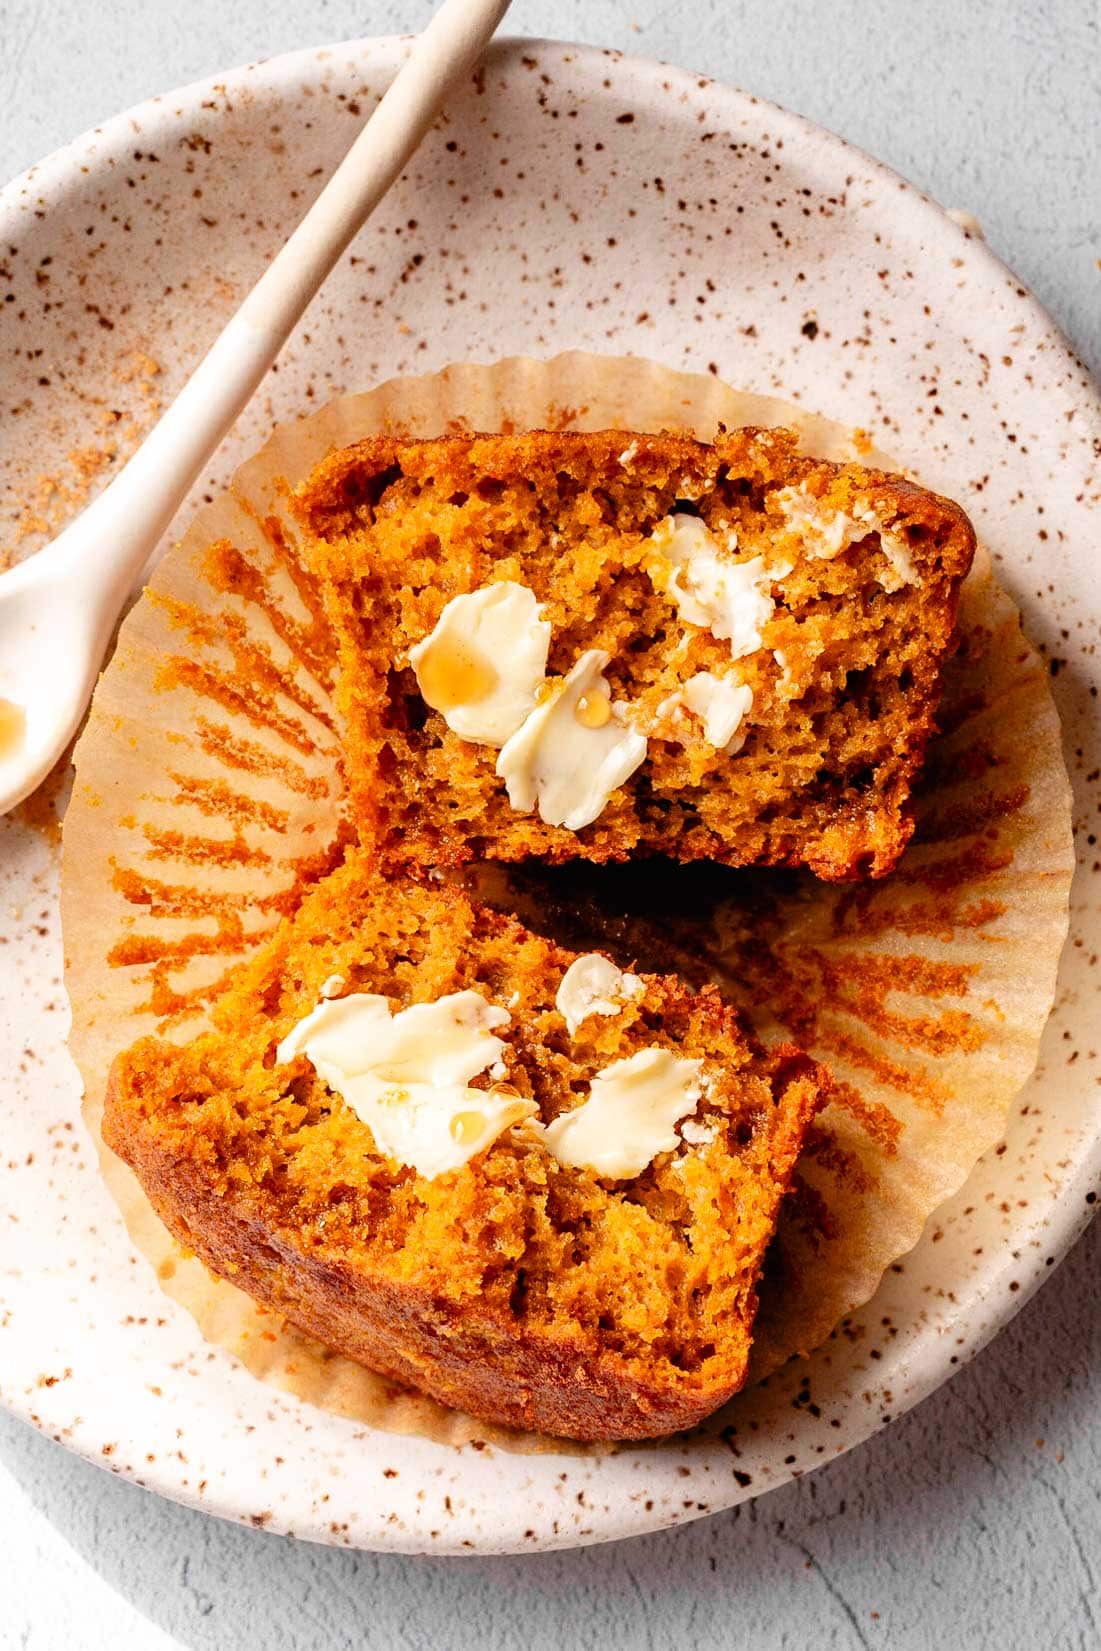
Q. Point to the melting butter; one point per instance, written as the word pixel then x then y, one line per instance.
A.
pixel 697 1134
pixel 592 985
pixel 826 531
pixel 567 766
pixel 484 662
pixel 407 1075
pixel 730 599
pixel 629 1115
pixel 720 703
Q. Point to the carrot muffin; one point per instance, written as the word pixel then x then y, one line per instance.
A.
pixel 532 1184
pixel 609 645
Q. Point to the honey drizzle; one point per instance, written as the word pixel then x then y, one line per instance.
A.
pixel 450 675
pixel 13 726
pixel 594 709
pixel 466 1127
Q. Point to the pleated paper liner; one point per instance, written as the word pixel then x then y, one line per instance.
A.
pixel 208 792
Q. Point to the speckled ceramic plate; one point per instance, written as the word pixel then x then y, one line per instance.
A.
pixel 573 198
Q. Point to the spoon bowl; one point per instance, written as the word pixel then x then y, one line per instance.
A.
pixel 56 620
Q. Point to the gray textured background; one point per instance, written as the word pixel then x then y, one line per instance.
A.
pixel 974 1521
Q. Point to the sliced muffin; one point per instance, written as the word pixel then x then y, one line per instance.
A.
pixel 531 1184
pixel 608 645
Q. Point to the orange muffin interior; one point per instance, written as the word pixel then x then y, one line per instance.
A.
pixel 849 576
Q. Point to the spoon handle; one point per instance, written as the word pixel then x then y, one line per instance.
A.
pixel 128 518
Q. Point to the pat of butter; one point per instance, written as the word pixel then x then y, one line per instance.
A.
pixel 730 599
pixel 562 759
pixel 629 1115
pixel 407 1076
pixel 696 1134
pixel 592 985
pixel 484 662
pixel 826 532
pixel 721 705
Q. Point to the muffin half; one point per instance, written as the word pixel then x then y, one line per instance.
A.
pixel 535 1186
pixel 609 645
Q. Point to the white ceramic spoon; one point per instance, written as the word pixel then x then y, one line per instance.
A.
pixel 59 608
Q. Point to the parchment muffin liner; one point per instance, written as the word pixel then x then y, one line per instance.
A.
pixel 208 791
